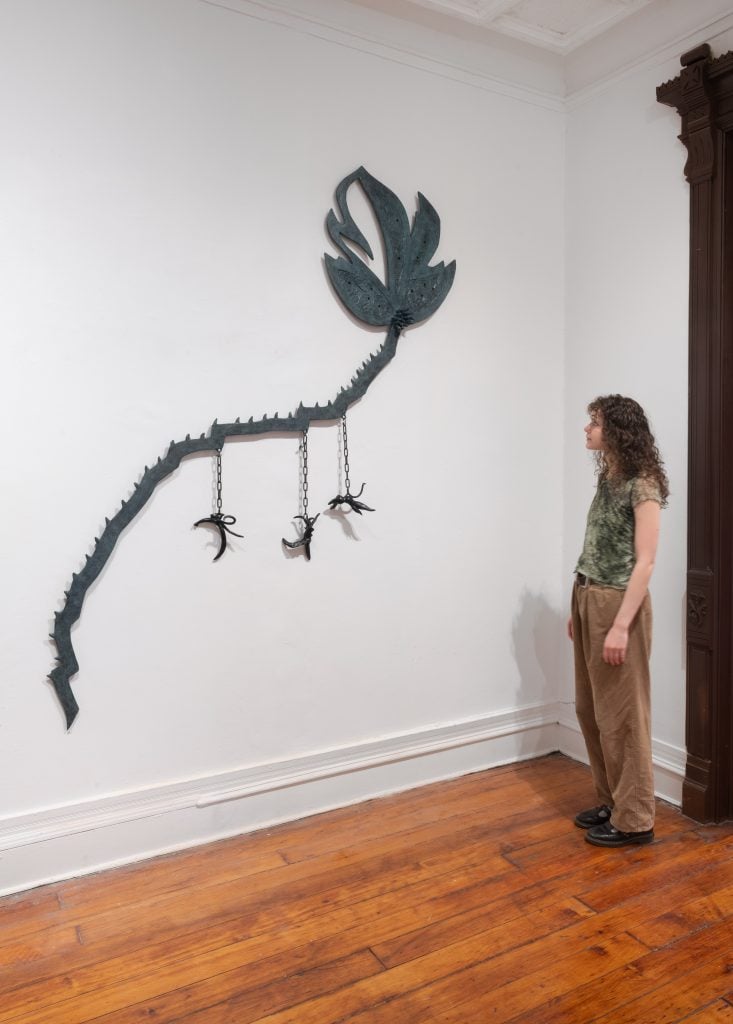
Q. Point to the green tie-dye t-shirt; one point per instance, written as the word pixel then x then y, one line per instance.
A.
pixel 608 549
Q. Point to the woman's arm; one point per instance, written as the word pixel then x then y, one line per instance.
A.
pixel 646 535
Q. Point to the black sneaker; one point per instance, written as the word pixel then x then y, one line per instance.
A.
pixel 593 816
pixel 608 835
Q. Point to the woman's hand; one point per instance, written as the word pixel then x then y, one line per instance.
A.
pixel 570 628
pixel 615 644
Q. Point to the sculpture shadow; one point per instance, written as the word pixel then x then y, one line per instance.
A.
pixel 543 655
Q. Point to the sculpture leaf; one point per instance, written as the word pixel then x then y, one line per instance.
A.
pixel 361 291
pixel 413 289
pixel 393 224
pixel 425 292
pixel 424 237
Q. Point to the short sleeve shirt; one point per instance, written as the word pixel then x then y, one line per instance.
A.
pixel 608 555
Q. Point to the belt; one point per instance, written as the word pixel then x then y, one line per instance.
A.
pixel 585 581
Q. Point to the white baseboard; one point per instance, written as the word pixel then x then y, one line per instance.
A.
pixel 63 842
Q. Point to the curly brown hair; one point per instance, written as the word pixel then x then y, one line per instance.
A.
pixel 629 442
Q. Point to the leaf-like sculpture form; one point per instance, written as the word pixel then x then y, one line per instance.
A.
pixel 413 289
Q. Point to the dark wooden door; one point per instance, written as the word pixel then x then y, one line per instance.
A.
pixel 703 96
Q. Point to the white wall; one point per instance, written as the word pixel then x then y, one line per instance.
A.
pixel 167 170
pixel 166 174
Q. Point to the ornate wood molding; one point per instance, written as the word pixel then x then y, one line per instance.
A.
pixel 702 94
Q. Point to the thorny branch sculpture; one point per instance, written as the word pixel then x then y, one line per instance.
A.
pixel 412 291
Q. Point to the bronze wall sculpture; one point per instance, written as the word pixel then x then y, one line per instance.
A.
pixel 412 291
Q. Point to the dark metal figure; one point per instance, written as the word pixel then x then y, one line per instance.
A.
pixel 305 541
pixel 350 500
pixel 222 523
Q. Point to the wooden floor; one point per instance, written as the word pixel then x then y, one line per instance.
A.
pixel 469 901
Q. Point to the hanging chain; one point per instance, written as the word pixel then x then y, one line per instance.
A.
pixel 347 498
pixel 304 460
pixel 217 519
pixel 346 453
pixel 218 481
pixel 306 531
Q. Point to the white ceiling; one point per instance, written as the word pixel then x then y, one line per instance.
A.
pixel 557 25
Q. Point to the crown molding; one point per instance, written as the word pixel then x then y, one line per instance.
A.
pixel 520 74
pixel 708 32
pixel 502 16
pixel 483 59
pixel 658 32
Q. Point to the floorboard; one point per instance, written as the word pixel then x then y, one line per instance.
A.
pixel 475 899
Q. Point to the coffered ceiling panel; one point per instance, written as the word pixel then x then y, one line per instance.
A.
pixel 558 25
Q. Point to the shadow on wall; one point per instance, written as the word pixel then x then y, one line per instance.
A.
pixel 543 654
pixel 539 647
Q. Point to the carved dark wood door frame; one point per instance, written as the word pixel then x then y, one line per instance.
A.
pixel 703 96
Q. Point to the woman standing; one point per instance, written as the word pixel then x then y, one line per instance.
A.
pixel 611 621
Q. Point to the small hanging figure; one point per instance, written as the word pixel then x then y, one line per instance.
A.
pixel 309 522
pixel 349 498
pixel 218 519
pixel 305 540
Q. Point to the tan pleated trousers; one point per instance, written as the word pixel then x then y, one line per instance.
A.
pixel 613 706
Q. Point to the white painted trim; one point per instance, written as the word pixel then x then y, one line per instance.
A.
pixel 549 39
pixel 383 752
pixel 62 842
pixel 287 16
pixel 206 791
pixel 708 32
